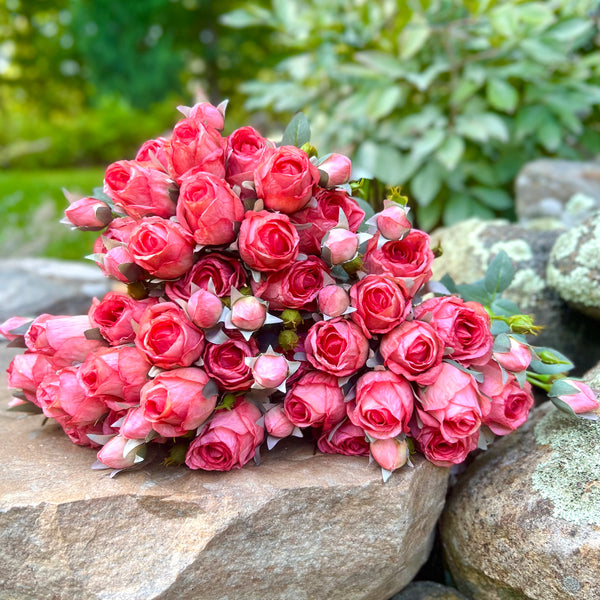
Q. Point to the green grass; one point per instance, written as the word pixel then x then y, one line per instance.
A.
pixel 32 203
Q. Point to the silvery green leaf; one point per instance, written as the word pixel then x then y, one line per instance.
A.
pixel 98 466
pixel 130 446
pixel 297 133
pixel 272 442
pixel 210 389
pixel 100 439
pixel 562 388
pixel 385 474
pixel 93 334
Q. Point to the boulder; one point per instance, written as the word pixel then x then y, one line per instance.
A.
pixel 301 525
pixel 428 590
pixel 574 266
pixel 32 286
pixel 563 191
pixel 468 248
pixel 523 522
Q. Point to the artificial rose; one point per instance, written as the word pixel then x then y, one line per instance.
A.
pixel 383 405
pixel 414 350
pixel 223 270
pixel 229 440
pixel 408 259
pixel 248 313
pixel 226 362
pixel 175 403
pixel 88 214
pixel 204 309
pixel 26 372
pixel 318 220
pixel 392 222
pixel 270 370
pixel 119 372
pixel 347 439
pixel 337 169
pixel 194 144
pixel 315 399
pixel 267 241
pixel 340 246
pixel 442 452
pixel 296 286
pixel 380 304
pixel 162 247
pixel 246 149
pixel 8 328
pixel 463 326
pixel 111 248
pixel 286 180
pixel 154 152
pixel 113 455
pixel 140 190
pixel 135 426
pixel 337 347
pixel 115 314
pixel 389 454
pixel 208 208
pixel 333 301
pixel 277 424
pixel 168 338
pixel 516 359
pixel 207 114
pixel 583 400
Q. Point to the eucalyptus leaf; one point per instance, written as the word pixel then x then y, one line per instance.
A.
pixel 297 133
pixel 500 273
pixel 562 387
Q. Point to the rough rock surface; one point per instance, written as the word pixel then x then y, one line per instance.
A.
pixel 563 190
pixel 302 526
pixel 574 266
pixel 428 590
pixel 523 522
pixel 32 286
pixel 468 249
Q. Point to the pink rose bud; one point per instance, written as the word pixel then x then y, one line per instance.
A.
pixel 582 402
pixel 209 115
pixel 333 301
pixel 249 313
pixel 276 422
pixel 516 359
pixel 390 454
pixel 270 371
pixel 7 328
pixel 135 426
pixel 393 223
pixel 204 309
pixel 111 454
pixel 89 214
pixel 337 168
pixel 342 245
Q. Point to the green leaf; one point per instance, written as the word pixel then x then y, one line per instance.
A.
pixel 427 183
pixel 413 37
pixel 562 388
pixel 423 80
pixel 571 29
pixel 381 62
pixel 426 144
pixel 562 406
pixel 501 95
pixel 463 91
pixel 461 206
pixel 562 364
pixel 297 133
pixel 502 343
pixel 481 127
pixel 504 307
pixel 369 210
pixel 542 53
pixel 497 199
pixel 381 103
pixel 497 327
pixel 550 135
pixel 451 151
pixel 476 291
pixel 500 273
pixel 240 18
pixel 429 216
pixel 449 283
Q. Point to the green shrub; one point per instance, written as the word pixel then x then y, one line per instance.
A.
pixel 447 97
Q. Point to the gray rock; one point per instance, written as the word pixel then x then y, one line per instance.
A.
pixel 428 590
pixel 523 522
pixel 301 526
pixel 32 286
pixel 468 248
pixel 562 190
pixel 574 266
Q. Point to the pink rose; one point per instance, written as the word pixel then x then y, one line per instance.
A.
pixel 392 222
pixel 111 454
pixel 140 190
pixel 380 304
pixel 340 246
pixel 408 259
pixel 9 326
pixel 168 338
pixel 333 301
pixel 347 439
pixel 325 216
pixel 441 452
pixel 463 326
pixel 248 313
pixel 194 144
pixel 316 399
pixel 26 372
pixel 208 208
pixel 383 405
pixel 246 149
pixel 114 315
pixel 119 372
pixel 296 286
pixel 162 247
pixel 204 309
pixel 267 241
pixel 277 424
pixel 174 401
pixel 116 254
pixel 154 152
pixel 286 180
pixel 226 362
pixel 88 214
pixel 582 401
pixel 223 270
pixel 135 426
pixel 337 169
pixel 414 350
pixel 207 114
pixel 516 359
pixel 453 404
pixel 229 440
pixel 390 454
pixel 270 370
pixel 337 346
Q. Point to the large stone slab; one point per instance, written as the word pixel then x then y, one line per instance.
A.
pixel 301 526
pixel 523 522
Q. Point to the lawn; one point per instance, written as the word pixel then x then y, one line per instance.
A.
pixel 32 203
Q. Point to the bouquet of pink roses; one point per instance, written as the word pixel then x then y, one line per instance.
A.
pixel 261 302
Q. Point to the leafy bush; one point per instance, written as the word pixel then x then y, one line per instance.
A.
pixel 448 97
